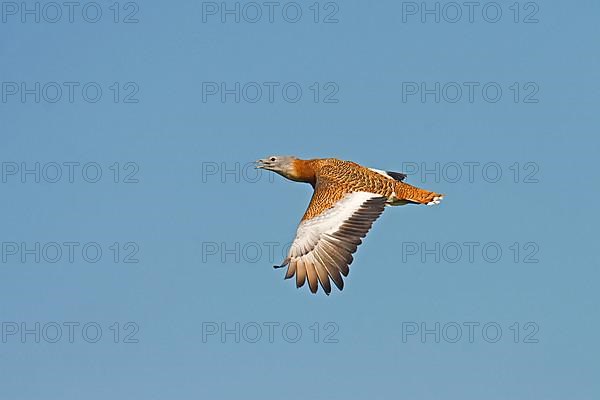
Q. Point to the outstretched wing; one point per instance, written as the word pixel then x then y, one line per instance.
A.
pixel 328 235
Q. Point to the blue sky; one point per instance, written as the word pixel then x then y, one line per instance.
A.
pixel 132 225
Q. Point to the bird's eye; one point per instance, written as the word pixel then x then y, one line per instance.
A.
pixel 272 158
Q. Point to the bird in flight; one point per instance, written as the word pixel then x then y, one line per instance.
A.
pixel 347 199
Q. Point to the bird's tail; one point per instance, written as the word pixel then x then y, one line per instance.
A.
pixel 414 194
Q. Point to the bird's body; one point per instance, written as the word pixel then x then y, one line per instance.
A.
pixel 347 199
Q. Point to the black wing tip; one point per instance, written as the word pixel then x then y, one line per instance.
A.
pixel 399 176
pixel 283 264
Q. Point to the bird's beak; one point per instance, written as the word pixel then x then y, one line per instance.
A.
pixel 260 164
pixel 265 163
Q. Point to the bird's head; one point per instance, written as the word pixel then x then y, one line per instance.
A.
pixel 283 165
